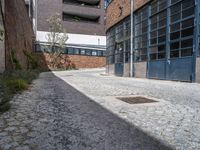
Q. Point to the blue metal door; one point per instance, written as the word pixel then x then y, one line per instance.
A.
pixel 157 69
pixel 119 69
pixel 180 69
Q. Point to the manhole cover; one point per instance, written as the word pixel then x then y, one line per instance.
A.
pixel 136 100
pixel 104 74
pixel 70 75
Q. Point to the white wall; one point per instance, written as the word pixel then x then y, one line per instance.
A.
pixel 76 39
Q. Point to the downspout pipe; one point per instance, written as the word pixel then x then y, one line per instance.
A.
pixel 131 52
pixel 29 9
pixel 36 17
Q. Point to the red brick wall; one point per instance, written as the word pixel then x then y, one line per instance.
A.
pixel 2 44
pixel 77 61
pixel 140 3
pixel 87 61
pixel 19 31
pixel 113 11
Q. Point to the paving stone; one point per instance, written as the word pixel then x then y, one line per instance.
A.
pixel 182 103
pixel 81 112
pixel 22 148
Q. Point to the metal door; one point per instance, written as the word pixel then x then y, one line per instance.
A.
pixel 119 69
pixel 157 69
pixel 180 69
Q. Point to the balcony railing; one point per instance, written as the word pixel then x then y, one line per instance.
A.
pixel 84 3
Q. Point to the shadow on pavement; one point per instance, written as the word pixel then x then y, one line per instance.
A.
pixel 93 126
pixel 55 116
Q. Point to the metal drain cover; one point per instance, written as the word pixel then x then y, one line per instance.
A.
pixel 69 75
pixel 136 100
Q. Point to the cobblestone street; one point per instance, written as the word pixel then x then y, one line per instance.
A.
pixel 78 110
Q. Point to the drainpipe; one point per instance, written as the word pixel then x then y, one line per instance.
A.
pixel 36 17
pixel 131 53
pixel 29 9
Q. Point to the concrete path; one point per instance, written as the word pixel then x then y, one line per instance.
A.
pixel 78 110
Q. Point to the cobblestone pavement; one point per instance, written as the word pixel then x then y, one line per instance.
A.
pixel 174 120
pixel 53 115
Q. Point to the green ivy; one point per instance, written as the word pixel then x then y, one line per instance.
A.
pixel 32 60
pixel 15 61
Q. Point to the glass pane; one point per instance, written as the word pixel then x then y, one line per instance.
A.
pixel 174 46
pixel 88 52
pixel 94 53
pixel 187 32
pixel 188 23
pixel 76 51
pixel 175 27
pixel 187 43
pixel 70 50
pixel 161 55
pixel 174 54
pixel 82 52
pixel 186 52
pixel 175 35
pixel 188 12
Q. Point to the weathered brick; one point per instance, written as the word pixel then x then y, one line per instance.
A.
pixel 77 60
pixel 114 13
pixel 2 47
pixel 19 31
pixel 120 9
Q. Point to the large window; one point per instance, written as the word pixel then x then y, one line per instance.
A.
pixel 158 30
pixel 110 46
pixel 120 32
pixel 182 28
pixel 198 53
pixel 119 51
pixel 127 28
pixel 141 34
pixel 118 42
pixel 127 42
pixel 127 50
pixel 159 25
pixel 43 47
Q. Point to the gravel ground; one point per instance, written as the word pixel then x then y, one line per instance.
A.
pixel 53 115
pixel 175 120
pixel 78 110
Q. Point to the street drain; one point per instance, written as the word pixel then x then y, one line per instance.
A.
pixel 136 100
pixel 70 75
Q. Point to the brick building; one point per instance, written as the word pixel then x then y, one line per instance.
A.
pixel 2 41
pixel 83 21
pixel 165 39
pixel 16 34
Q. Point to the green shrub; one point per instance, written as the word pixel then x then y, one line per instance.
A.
pixel 17 85
pixel 12 82
pixel 32 60
pixel 28 76
pixel 15 61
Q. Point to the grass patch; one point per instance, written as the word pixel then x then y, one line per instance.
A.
pixel 13 82
pixel 17 85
